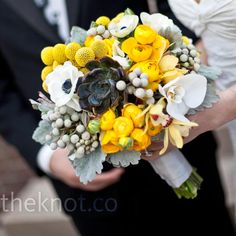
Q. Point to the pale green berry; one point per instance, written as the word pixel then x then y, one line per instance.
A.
pixel 101 29
pixel 66 138
pixel 106 34
pixel 63 110
pixel 74 138
pixel 149 93
pixel 53 146
pixel 140 93
pixel 136 82
pixel 196 66
pixel 80 150
pixel 144 82
pixel 185 51
pixel 130 89
pixel 95 144
pixel 131 76
pixel 48 137
pixel 61 144
pixel 55 131
pixel 144 76
pixel 97 37
pixel 67 123
pixel 150 101
pixel 186 64
pixel 75 117
pixel 92 31
pixel 59 123
pixel 80 128
pixel 137 71
pixel 85 135
pixel 193 53
pixel 121 85
pixel 183 58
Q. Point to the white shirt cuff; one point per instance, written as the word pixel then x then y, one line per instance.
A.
pixel 44 157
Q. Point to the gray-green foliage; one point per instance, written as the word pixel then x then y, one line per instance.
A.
pixel 41 131
pixel 89 166
pixel 78 35
pixel 124 159
pixel 210 98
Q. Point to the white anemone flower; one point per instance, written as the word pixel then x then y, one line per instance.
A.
pixel 156 21
pixel 184 93
pixel 62 83
pixel 125 26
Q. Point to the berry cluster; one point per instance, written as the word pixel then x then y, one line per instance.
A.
pixel 69 132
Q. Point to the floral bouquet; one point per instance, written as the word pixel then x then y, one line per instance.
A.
pixel 117 87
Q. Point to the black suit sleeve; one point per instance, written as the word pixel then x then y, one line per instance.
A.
pixel 17 120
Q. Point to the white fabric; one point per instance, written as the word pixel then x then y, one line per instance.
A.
pixel 215 22
pixel 173 168
pixel 44 157
pixel 55 13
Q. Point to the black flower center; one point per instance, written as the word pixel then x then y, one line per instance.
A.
pixel 67 85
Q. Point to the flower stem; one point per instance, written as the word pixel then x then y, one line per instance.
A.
pixel 190 187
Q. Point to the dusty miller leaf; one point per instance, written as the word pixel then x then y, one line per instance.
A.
pixel 211 73
pixel 41 131
pixel 89 166
pixel 78 35
pixel 124 159
pixel 210 98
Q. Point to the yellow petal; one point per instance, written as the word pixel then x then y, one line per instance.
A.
pixel 175 136
pixel 166 142
pixel 168 62
pixel 128 44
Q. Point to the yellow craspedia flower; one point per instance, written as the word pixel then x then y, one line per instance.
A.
pixel 168 62
pixel 47 56
pixel 132 111
pixel 103 20
pixel 150 67
pixel 71 50
pixel 126 143
pixel 144 34
pixel 123 126
pixel 55 64
pixel 59 53
pixel 88 41
pixel 186 40
pixel 84 55
pixel 141 139
pixel 108 120
pixel 136 52
pixel 45 87
pixel 99 48
pixel 45 71
pixel 109 142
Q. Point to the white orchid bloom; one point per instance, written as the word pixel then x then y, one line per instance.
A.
pixel 156 21
pixel 62 83
pixel 125 26
pixel 183 93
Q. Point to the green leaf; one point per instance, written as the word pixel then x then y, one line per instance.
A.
pixel 78 35
pixel 41 131
pixel 210 98
pixel 89 166
pixel 124 159
pixel 128 11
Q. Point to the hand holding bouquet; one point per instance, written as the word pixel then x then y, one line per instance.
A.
pixel 117 87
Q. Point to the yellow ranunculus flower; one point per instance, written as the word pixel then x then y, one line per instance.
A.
pixel 150 67
pixel 144 34
pixel 109 142
pixel 168 62
pixel 108 120
pixel 109 43
pixel 160 45
pixel 126 143
pixel 153 86
pixel 153 130
pixel 136 52
pixel 132 111
pixel 123 126
pixel 103 20
pixel 141 139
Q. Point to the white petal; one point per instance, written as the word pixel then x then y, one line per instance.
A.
pixel 195 87
pixel 177 111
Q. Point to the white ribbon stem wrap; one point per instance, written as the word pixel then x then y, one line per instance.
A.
pixel 173 168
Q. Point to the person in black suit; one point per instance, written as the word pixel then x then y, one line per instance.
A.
pixel 134 202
